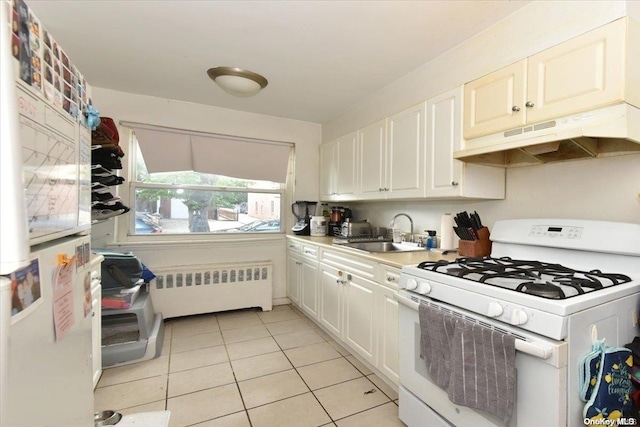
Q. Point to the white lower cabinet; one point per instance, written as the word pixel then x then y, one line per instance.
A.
pixel 309 288
pixel 294 264
pixel 347 310
pixel 352 298
pixel 302 280
pixel 359 323
pixel 331 299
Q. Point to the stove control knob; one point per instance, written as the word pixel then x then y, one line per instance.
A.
pixel 411 284
pixel 424 288
pixel 495 309
pixel 518 317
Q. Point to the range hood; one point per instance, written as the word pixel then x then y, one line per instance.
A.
pixel 608 131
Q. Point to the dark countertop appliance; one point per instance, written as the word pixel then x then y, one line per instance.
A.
pixel 339 214
pixel 303 210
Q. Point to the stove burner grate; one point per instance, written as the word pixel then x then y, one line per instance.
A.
pixel 546 280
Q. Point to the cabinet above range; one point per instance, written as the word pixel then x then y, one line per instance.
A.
pixel 573 100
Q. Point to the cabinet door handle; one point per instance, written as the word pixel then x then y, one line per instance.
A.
pixel 515 108
pixel 391 279
pixel 529 104
pixel 454 183
pixel 380 189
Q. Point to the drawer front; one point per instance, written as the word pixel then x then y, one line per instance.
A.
pixel 389 276
pixel 310 251
pixel 349 264
pixel 294 247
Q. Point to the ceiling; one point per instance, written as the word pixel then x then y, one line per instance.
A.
pixel 320 57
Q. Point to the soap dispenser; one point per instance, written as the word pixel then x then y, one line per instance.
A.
pixel 432 240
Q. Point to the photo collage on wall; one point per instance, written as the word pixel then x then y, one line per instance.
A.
pixel 43 63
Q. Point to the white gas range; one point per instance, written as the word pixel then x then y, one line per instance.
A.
pixel 555 285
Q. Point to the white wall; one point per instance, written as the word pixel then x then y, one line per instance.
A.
pixel 604 189
pixel 182 115
pixel 533 28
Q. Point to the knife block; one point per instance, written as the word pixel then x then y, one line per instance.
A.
pixel 476 248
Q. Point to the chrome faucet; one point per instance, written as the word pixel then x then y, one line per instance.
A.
pixel 393 221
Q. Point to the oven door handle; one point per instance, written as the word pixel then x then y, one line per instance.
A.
pixel 521 345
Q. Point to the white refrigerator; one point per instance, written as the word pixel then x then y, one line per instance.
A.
pixel 50 367
pixel 46 364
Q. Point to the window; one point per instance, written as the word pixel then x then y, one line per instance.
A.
pixel 184 201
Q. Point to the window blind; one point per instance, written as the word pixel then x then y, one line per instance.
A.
pixel 165 151
pixel 169 150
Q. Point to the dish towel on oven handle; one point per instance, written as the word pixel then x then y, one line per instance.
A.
pixel 436 332
pixel 483 369
pixel 475 364
pixel 610 398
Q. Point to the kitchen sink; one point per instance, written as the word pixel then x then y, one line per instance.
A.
pixel 383 246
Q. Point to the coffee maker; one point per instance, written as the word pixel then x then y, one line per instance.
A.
pixel 339 214
pixel 303 211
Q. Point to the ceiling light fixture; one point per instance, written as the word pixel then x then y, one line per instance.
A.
pixel 236 81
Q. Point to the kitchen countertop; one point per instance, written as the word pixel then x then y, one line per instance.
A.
pixel 392 259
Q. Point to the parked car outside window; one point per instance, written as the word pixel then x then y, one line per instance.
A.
pixel 147 223
pixel 272 225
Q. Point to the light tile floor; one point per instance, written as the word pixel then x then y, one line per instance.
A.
pixel 251 368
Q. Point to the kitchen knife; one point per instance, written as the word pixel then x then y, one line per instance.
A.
pixel 467 219
pixel 475 222
pixel 458 233
pixel 478 219
pixel 472 233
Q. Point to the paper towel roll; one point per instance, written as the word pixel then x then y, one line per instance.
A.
pixel 446 232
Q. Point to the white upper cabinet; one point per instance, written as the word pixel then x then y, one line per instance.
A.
pixel 444 134
pixel 493 102
pixel 406 148
pixel 391 153
pixel 446 176
pixel 328 170
pixel 346 150
pixel 372 150
pixel 338 168
pixel 408 155
pixel 581 74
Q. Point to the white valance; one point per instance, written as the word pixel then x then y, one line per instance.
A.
pixel 170 150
